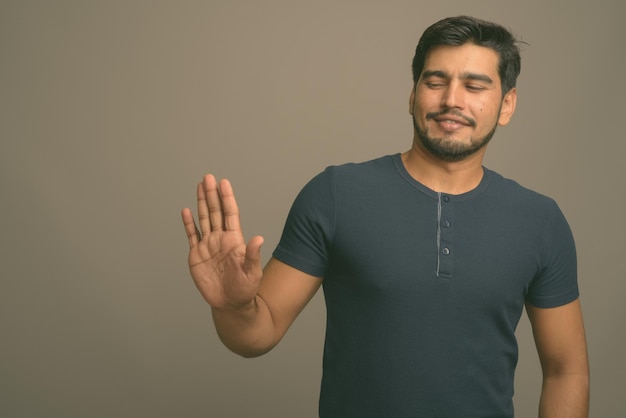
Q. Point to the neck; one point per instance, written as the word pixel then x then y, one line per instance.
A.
pixel 443 176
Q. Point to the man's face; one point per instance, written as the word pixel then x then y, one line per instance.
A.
pixel 457 102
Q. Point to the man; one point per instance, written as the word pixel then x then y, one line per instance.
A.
pixel 426 257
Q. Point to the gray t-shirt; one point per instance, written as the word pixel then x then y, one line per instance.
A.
pixel 424 290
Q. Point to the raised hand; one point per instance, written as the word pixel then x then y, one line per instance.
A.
pixel 226 271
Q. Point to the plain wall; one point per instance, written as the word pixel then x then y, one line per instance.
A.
pixel 111 112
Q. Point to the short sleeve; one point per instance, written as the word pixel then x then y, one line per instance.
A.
pixel 556 284
pixel 307 235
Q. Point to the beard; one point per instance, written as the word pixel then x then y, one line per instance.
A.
pixel 451 150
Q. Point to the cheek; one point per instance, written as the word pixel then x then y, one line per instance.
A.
pixel 424 105
pixel 426 99
pixel 485 109
pixel 481 107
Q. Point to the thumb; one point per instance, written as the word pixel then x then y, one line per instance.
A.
pixel 253 253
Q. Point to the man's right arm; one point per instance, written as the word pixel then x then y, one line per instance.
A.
pixel 259 326
pixel 252 308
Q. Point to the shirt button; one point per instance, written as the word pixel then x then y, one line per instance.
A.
pixel 446 198
pixel 446 224
pixel 445 251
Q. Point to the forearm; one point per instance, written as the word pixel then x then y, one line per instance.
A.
pixel 565 396
pixel 249 331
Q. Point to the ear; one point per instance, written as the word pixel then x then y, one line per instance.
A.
pixel 508 107
pixel 412 99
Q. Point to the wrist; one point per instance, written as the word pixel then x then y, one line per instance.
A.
pixel 243 310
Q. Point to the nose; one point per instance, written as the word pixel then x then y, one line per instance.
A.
pixel 453 96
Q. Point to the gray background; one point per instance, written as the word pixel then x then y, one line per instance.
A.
pixel 111 111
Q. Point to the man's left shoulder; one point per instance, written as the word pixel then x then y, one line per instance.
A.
pixel 515 193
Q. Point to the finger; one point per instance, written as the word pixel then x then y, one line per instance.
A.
pixel 253 254
pixel 229 206
pixel 193 235
pixel 203 211
pixel 213 203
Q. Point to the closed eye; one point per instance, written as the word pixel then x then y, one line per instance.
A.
pixel 434 84
pixel 474 87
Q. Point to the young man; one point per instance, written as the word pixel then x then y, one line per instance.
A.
pixel 426 257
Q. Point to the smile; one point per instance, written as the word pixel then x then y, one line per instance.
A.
pixel 451 124
pixel 451 119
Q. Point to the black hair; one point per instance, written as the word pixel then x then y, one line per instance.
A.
pixel 459 30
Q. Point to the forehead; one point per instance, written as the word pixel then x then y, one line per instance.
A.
pixel 463 59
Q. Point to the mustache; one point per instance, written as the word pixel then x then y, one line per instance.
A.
pixel 432 115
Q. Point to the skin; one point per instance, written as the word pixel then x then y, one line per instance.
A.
pixel 560 339
pixel 456 104
pixel 252 307
pixel 454 85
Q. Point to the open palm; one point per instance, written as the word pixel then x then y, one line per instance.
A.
pixel 226 271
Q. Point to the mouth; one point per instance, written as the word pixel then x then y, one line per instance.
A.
pixel 451 121
pixel 451 124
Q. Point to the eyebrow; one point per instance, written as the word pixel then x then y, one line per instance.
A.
pixel 466 76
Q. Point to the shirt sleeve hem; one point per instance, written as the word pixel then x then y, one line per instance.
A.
pixel 298 263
